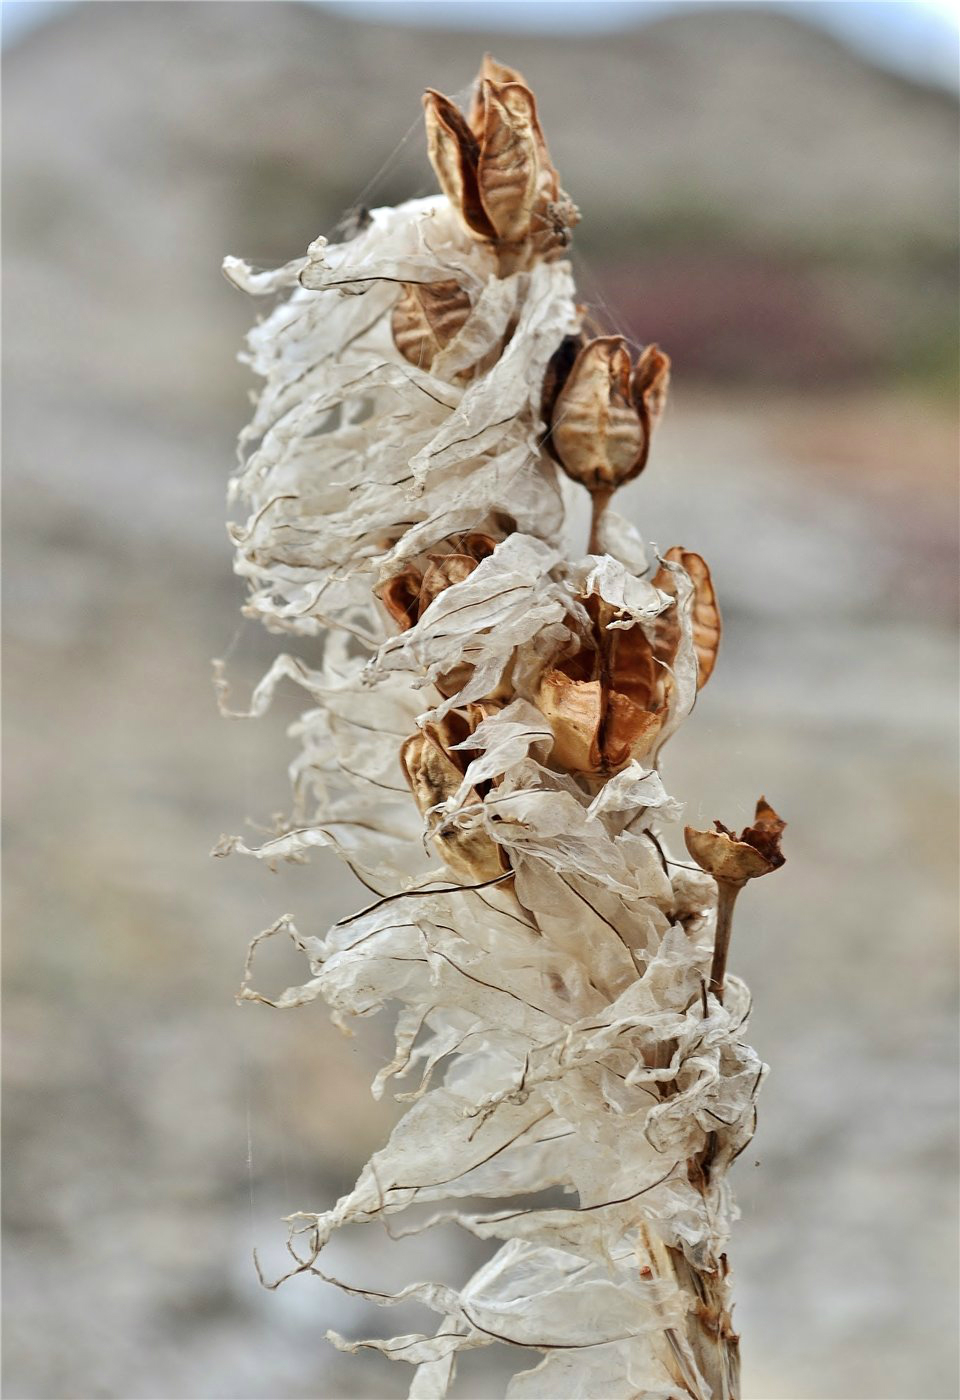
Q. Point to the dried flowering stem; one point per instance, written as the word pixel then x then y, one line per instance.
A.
pixel 481 749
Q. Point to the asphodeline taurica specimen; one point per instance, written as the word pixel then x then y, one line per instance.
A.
pixel 486 710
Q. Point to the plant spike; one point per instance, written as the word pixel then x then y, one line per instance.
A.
pixel 481 749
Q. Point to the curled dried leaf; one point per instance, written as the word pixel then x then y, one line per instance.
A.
pixel 733 859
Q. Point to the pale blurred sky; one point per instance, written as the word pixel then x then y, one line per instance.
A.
pixel 918 37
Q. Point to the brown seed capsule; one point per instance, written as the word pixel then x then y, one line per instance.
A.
pixel 435 771
pixel 607 704
pixel 605 412
pixel 508 165
pixel 651 380
pixel 495 168
pixel 400 596
pixel 707 623
pixel 734 860
pixel 454 151
pixel 408 594
pixel 427 317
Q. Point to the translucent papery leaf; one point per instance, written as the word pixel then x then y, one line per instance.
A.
pixel 535 1296
pixel 484 330
pixel 433 1378
pixel 508 600
pixel 635 790
pixel 635 598
pixel 526 817
pixel 417 241
pixel 605 936
pixel 617 1371
pixel 262 283
pixel 506 738
pixel 621 540
pixel 506 400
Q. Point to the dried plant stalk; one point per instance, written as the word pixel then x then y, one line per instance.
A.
pixel 486 699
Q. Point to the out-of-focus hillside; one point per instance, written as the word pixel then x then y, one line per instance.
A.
pixel 783 219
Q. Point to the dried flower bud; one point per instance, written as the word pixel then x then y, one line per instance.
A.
pixel 435 771
pixel 707 623
pixel 604 414
pixel 428 316
pixel 495 168
pixel 733 859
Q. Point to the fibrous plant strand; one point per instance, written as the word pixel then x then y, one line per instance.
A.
pixel 481 747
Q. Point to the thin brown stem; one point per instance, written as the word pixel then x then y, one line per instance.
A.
pixel 727 893
pixel 600 498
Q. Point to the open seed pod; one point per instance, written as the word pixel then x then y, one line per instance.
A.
pixel 494 166
pixel 707 623
pixel 606 704
pixel 434 770
pixel 407 595
pixel 736 859
pixel 604 412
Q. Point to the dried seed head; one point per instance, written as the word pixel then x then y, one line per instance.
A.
pixel 733 860
pixel 435 773
pixel 495 168
pixel 604 414
pixel 427 317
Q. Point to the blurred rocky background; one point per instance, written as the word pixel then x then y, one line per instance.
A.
pixel 782 217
